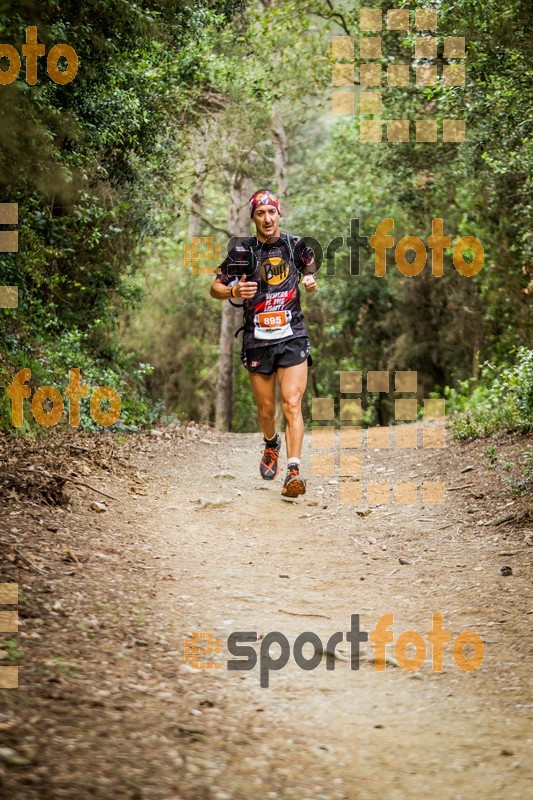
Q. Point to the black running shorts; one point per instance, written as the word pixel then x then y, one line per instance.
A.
pixel 267 359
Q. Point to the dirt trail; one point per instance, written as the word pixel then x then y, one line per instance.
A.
pixel 256 563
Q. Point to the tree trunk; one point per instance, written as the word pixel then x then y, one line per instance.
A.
pixel 238 225
pixel 281 157
pixel 197 194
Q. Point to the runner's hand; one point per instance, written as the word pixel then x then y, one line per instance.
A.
pixel 309 282
pixel 245 289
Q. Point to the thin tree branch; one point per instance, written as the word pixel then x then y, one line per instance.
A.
pixel 338 15
pixel 215 227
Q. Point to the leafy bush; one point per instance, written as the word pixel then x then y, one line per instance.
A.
pixel 502 400
pixel 51 358
pixel 94 167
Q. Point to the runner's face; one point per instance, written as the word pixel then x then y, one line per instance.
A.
pixel 266 220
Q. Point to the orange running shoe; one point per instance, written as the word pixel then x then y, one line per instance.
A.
pixel 269 466
pixel 294 484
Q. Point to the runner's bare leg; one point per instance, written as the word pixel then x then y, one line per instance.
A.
pixel 264 389
pixel 292 384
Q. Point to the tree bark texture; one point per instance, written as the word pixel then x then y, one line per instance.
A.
pixel 231 318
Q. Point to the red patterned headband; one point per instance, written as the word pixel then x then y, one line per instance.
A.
pixel 264 197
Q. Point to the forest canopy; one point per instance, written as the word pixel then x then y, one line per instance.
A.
pixel 177 113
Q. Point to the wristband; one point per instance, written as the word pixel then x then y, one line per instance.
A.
pixel 231 291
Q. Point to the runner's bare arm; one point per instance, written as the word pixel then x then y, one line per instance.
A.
pixel 220 291
pixel 243 288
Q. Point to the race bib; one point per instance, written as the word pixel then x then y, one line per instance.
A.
pixel 272 320
pixel 272 325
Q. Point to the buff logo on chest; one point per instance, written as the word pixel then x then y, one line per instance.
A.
pixel 274 271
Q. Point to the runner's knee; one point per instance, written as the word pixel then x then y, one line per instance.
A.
pixel 292 405
pixel 266 411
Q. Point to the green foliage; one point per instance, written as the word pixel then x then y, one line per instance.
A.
pixel 524 484
pixel 176 330
pixel 501 400
pixel 50 361
pixel 91 165
pixel 245 411
pixel 442 327
pixel 102 170
pixel 9 650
